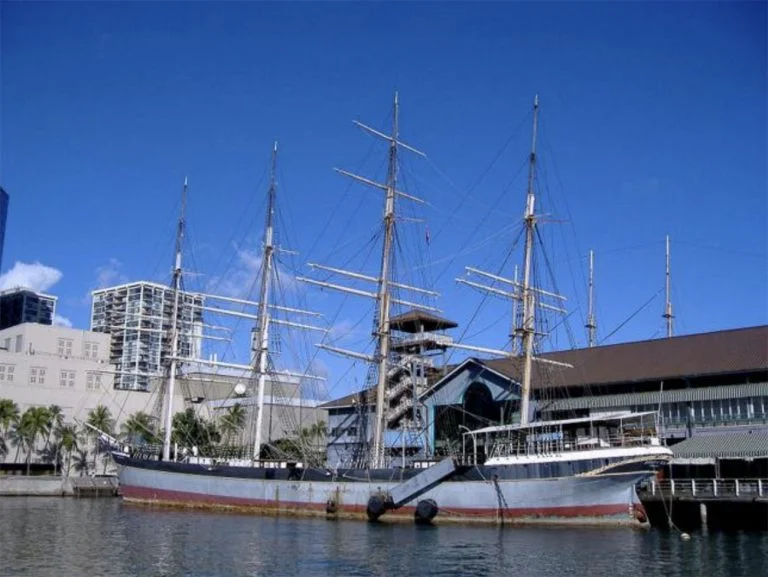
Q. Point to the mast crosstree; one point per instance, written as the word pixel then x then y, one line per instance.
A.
pixel 263 318
pixel 524 292
pixel 384 281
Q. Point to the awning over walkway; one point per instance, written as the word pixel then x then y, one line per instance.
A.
pixel 721 446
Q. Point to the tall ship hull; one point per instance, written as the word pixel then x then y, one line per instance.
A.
pixel 486 494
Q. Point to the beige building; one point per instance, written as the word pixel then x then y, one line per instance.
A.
pixel 43 365
pixel 52 365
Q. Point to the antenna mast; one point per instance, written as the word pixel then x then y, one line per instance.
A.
pixel 528 328
pixel 174 326
pixel 263 309
pixel 668 291
pixel 591 325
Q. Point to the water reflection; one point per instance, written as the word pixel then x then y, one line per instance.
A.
pixel 41 537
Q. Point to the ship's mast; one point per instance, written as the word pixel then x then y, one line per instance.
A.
pixel 382 296
pixel 174 327
pixel 591 325
pixel 528 328
pixel 515 334
pixel 383 332
pixel 263 308
pixel 531 297
pixel 668 292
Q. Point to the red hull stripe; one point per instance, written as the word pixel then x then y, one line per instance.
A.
pixel 183 498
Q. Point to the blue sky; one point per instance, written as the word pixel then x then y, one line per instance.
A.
pixel 653 121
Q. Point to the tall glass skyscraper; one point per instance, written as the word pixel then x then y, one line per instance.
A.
pixel 4 199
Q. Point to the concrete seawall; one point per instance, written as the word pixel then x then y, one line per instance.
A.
pixel 57 486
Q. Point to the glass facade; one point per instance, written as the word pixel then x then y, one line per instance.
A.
pixel 139 319
pixel 19 306
pixel 711 412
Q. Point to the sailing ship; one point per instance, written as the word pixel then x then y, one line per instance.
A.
pixel 580 470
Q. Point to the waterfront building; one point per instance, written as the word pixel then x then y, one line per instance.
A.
pixel 138 318
pixel 54 365
pixel 712 387
pixel 70 368
pixel 22 305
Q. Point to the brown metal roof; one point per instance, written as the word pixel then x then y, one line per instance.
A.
pixel 409 322
pixel 704 354
pixel 717 353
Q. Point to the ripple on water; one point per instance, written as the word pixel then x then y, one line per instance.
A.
pixel 61 537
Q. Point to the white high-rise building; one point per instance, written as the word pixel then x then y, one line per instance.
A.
pixel 138 317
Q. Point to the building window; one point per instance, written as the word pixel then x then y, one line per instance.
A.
pixel 93 381
pixel 65 347
pixel 6 372
pixel 67 379
pixel 91 350
pixel 18 343
pixel 37 376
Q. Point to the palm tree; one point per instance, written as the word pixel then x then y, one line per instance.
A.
pixel 3 448
pixel 9 414
pixel 232 422
pixel 69 437
pixel 81 462
pixel 140 425
pixel 189 430
pixel 53 449
pixel 99 418
pixel 17 437
pixel 57 418
pixel 35 422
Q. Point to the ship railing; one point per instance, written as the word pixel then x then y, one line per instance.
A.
pixel 528 446
pixel 707 488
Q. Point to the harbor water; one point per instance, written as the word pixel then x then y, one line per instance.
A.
pixel 42 536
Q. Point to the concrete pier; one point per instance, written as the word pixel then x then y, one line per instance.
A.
pixel 57 486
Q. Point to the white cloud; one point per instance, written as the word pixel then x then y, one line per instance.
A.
pixel 61 321
pixel 109 274
pixel 242 280
pixel 106 275
pixel 35 276
pixel 343 330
